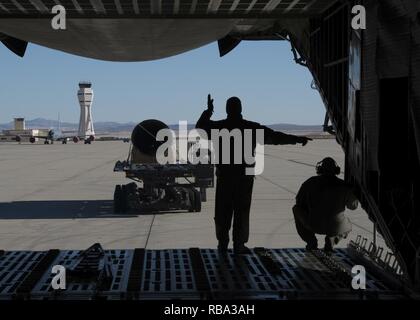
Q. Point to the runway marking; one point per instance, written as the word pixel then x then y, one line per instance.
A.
pixel 307 164
pixel 300 162
pixel 298 152
pixel 290 160
pixel 150 231
pixel 276 184
pixel 294 161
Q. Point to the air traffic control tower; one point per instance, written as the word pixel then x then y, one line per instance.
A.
pixel 85 95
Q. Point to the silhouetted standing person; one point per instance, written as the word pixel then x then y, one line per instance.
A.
pixel 234 186
pixel 320 205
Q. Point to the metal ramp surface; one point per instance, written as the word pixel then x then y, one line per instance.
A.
pixel 195 274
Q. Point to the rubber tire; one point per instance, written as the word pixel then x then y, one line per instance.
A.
pixel 197 200
pixel 117 198
pixel 124 198
pixel 191 197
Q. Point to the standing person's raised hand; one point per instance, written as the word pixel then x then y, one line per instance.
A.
pixel 210 106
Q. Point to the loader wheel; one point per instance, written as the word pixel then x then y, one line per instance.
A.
pixel 191 198
pixel 124 198
pixel 117 198
pixel 197 200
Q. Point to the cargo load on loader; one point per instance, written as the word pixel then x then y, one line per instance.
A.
pixel 157 187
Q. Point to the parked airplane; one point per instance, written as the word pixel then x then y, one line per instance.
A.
pixel 51 137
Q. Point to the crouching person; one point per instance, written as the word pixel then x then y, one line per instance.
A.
pixel 320 205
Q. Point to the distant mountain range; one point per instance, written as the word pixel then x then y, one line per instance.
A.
pixel 110 127
pixel 100 127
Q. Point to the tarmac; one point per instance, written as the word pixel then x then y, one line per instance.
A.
pixel 60 196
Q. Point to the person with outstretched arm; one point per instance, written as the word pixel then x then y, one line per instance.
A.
pixel 234 186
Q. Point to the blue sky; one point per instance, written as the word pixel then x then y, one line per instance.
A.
pixel 273 89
